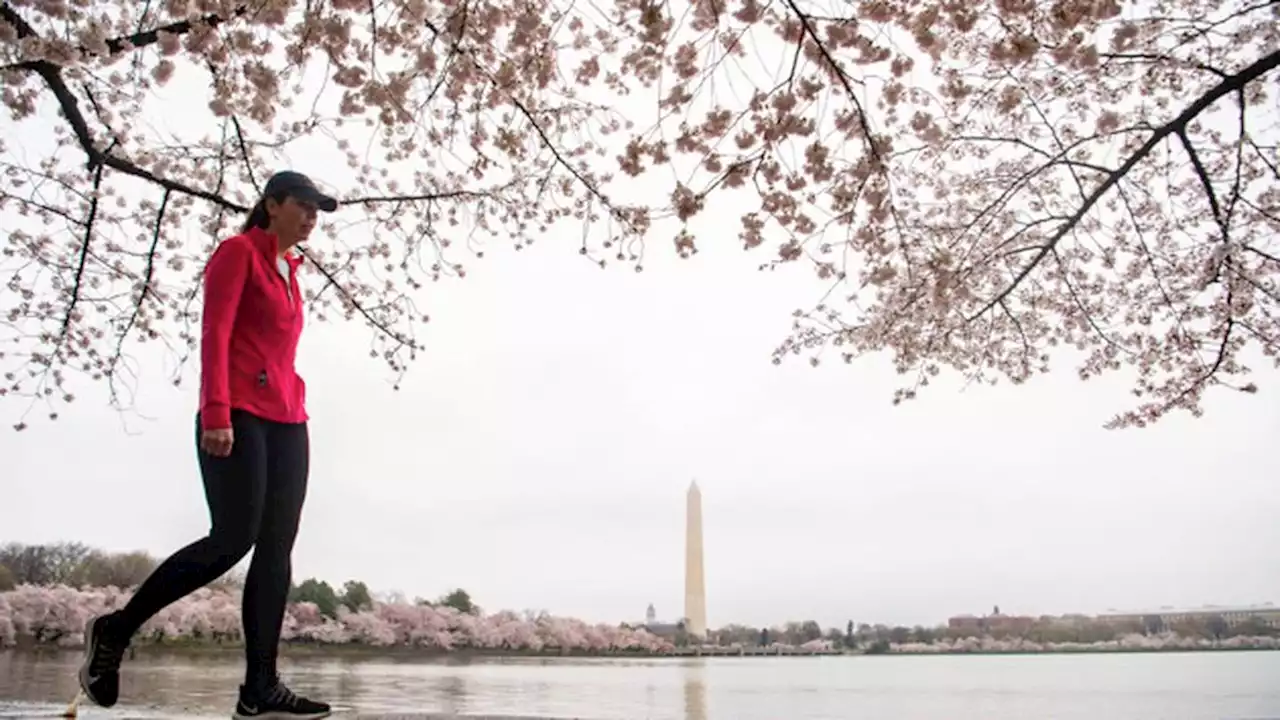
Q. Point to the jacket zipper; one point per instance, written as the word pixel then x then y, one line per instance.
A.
pixel 285 277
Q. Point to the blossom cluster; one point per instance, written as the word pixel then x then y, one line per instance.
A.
pixel 1129 642
pixel 57 615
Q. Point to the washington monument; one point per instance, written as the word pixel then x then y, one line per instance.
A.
pixel 695 589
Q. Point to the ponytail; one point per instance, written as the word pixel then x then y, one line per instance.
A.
pixel 258 217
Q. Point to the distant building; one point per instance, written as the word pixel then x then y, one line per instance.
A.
pixel 1012 624
pixel 995 622
pixel 664 630
pixel 661 629
pixel 1070 620
pixel 1267 614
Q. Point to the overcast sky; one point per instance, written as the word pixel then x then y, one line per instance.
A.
pixel 538 455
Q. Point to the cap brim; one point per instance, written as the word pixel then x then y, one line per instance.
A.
pixel 319 199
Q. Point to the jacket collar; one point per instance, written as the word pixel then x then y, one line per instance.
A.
pixel 269 245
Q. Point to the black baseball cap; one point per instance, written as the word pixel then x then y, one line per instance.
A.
pixel 296 185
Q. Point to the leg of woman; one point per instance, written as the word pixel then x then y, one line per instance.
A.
pixel 235 488
pixel 266 590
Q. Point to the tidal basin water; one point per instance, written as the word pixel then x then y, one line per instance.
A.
pixel 1182 686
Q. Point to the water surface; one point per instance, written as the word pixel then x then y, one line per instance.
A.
pixel 1181 686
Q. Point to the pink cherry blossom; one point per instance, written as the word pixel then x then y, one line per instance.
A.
pixel 984 189
pixel 56 615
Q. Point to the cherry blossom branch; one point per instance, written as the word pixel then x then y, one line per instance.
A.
pixel 197 180
pixel 1022 216
pixel 401 339
pixel 52 76
pixel 84 257
pixel 520 107
pixel 42 207
pixel 1264 255
pixel 122 44
pixel 428 197
pixel 1178 124
pixel 244 151
pixel 868 137
pixel 1205 181
pixel 143 293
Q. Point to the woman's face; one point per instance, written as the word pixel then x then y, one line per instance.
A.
pixel 291 220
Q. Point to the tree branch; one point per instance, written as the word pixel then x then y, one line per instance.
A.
pixel 97 159
pixel 117 45
pixel 863 123
pixel 1231 84
pixel 84 258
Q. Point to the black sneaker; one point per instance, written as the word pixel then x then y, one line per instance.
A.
pixel 278 703
pixel 100 671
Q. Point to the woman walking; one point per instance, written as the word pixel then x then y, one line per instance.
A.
pixel 252 447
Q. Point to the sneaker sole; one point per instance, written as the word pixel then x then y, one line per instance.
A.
pixel 283 715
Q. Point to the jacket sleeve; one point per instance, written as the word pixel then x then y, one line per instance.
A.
pixel 224 280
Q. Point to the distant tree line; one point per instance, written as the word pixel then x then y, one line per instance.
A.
pixel 80 566
pixel 77 565
pixel 878 638
pixel 355 596
pixel 791 633
pixel 73 564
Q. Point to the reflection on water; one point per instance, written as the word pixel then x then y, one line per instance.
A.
pixel 454 692
pixel 203 685
pixel 1189 686
pixel 695 692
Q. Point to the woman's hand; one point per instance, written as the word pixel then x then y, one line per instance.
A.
pixel 217 442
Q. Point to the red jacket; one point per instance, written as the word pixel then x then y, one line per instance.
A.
pixel 252 321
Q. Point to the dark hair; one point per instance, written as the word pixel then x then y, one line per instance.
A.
pixel 258 217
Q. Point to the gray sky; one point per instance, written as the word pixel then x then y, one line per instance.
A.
pixel 538 454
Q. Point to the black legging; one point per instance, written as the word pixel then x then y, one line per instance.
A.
pixel 255 497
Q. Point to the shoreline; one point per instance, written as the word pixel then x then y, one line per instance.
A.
pixel 1084 651
pixel 356 651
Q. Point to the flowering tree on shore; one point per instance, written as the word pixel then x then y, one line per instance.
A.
pixel 976 185
pixel 56 615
